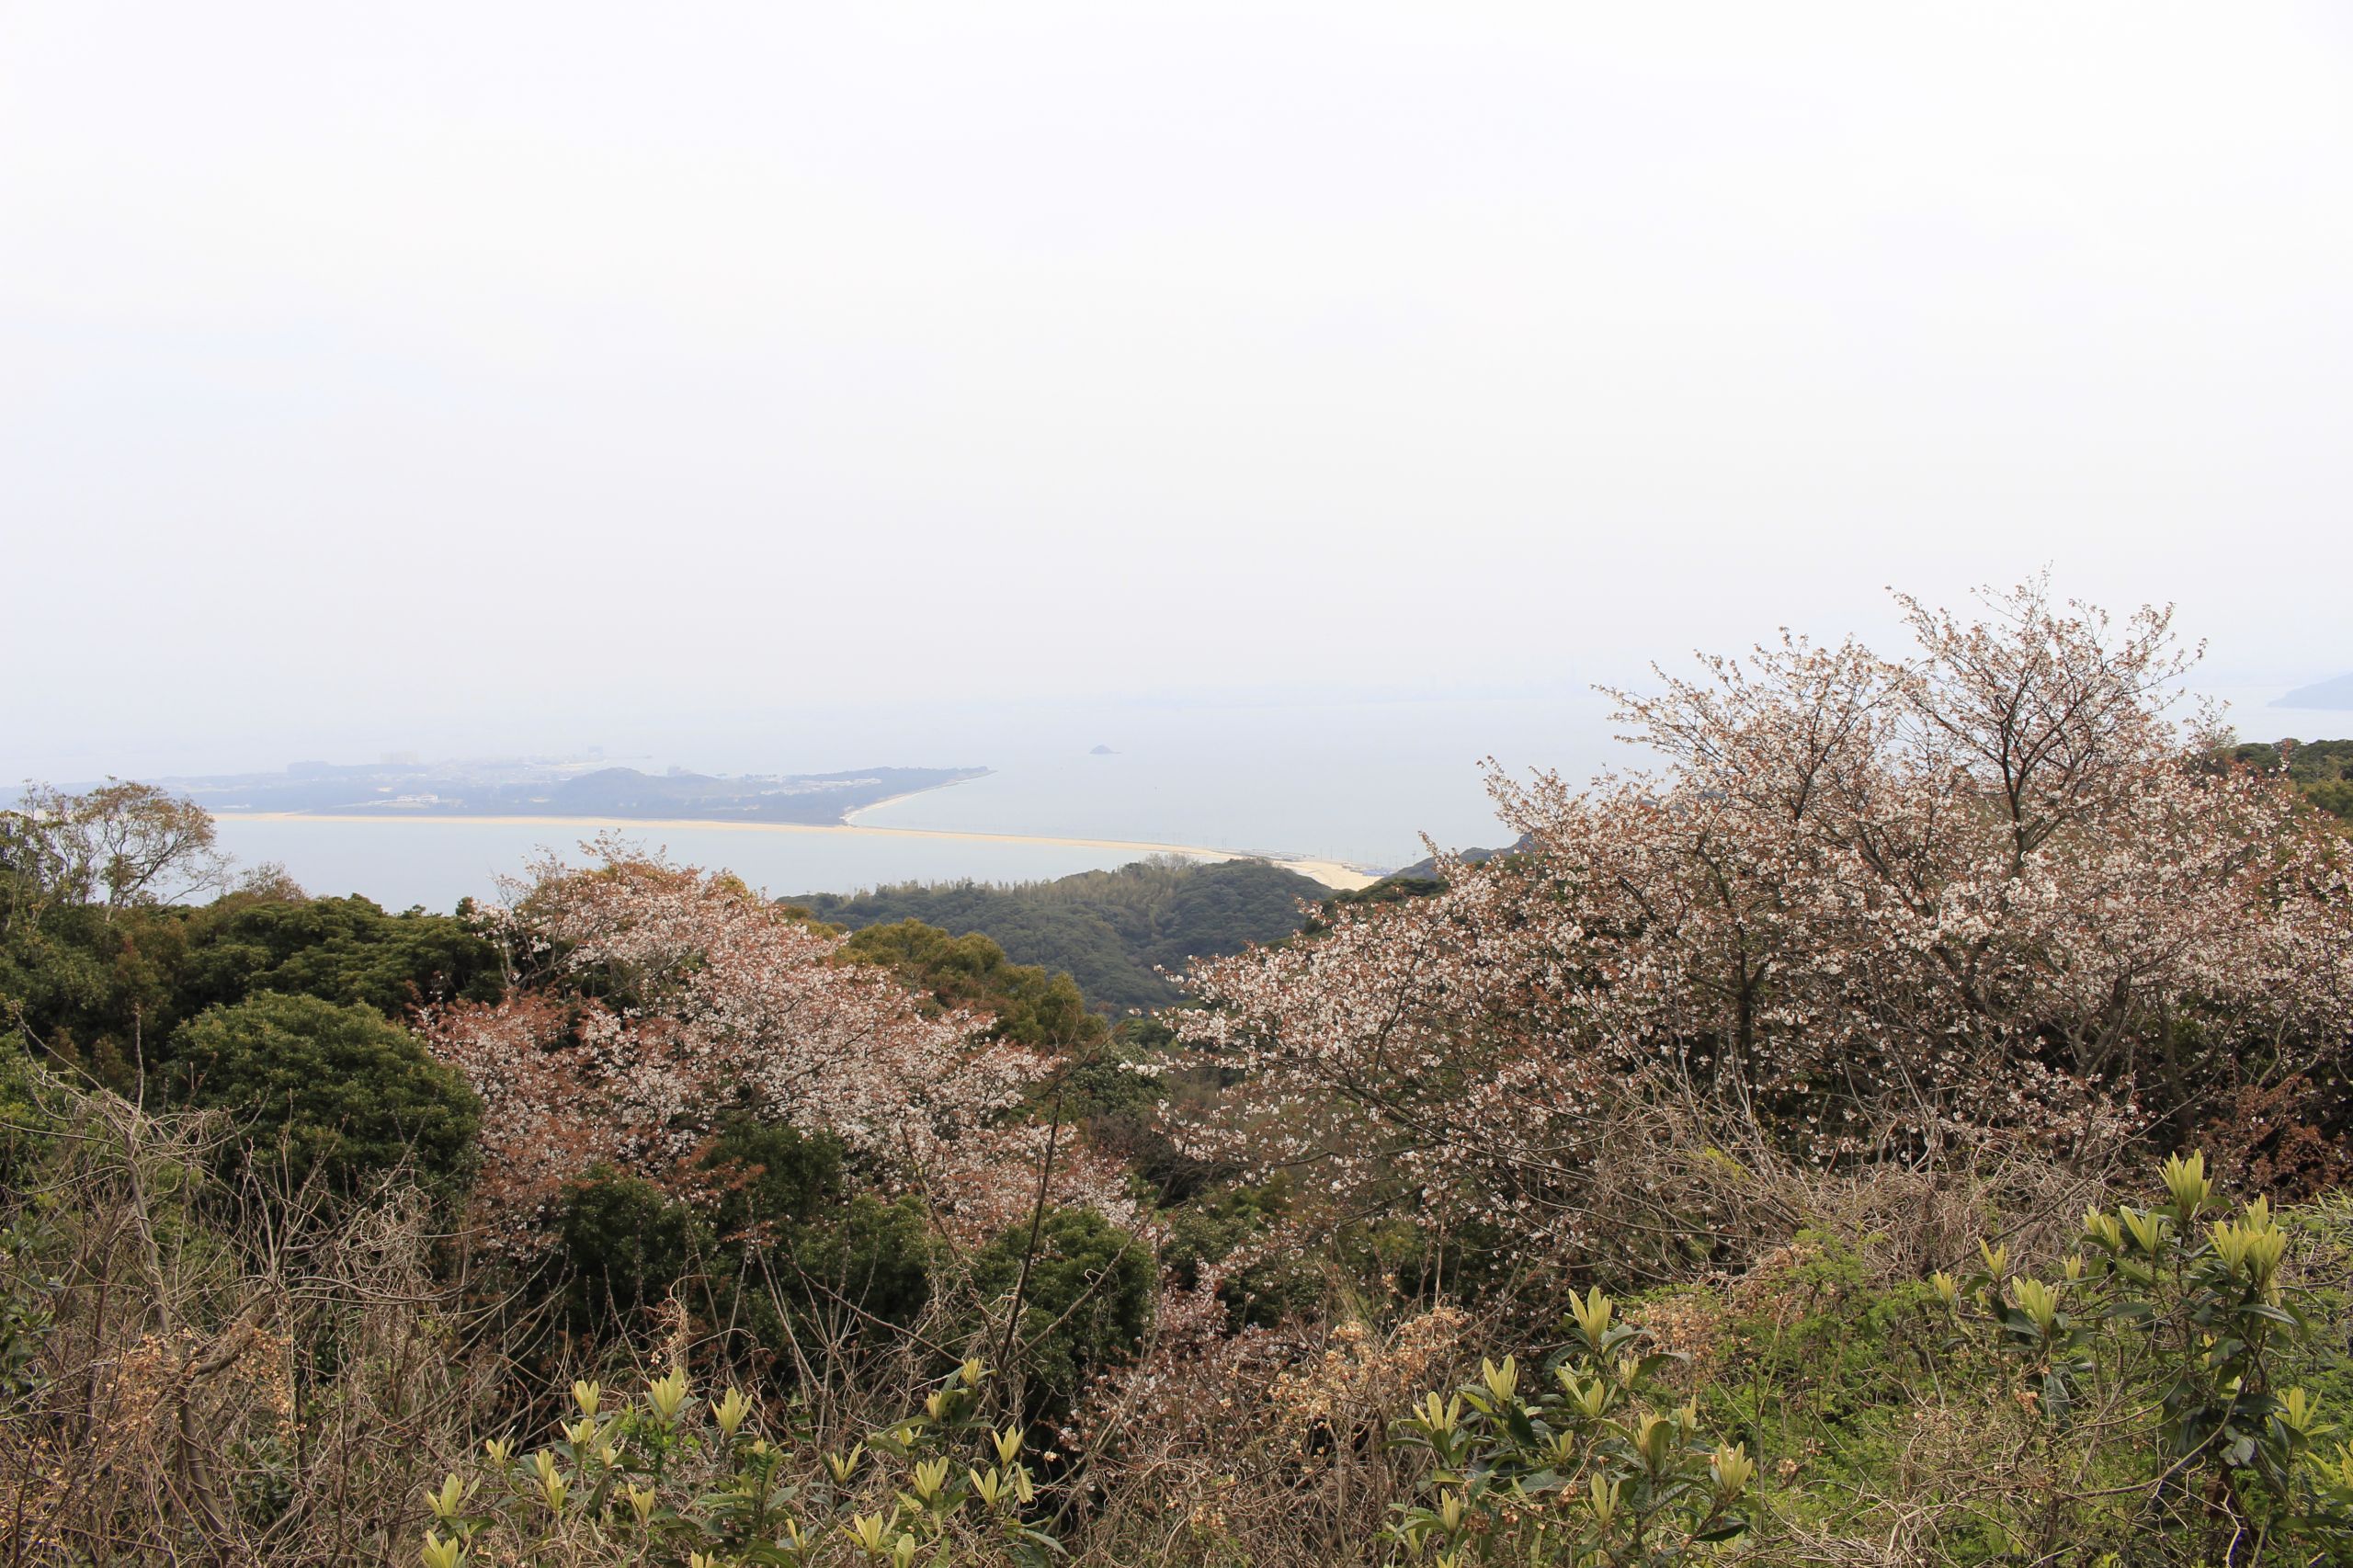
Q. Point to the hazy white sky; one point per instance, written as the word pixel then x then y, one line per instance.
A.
pixel 405 375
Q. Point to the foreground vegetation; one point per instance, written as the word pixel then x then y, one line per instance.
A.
pixel 1910 1128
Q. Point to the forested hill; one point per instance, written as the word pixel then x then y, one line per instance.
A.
pixel 2321 770
pixel 1426 867
pixel 1107 930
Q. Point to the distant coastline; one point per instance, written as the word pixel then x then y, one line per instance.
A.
pixel 518 788
pixel 1331 874
pixel 849 817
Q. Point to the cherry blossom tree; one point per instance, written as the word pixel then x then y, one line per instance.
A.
pixel 1864 910
pixel 649 1001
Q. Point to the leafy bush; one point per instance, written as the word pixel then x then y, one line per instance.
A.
pixel 1590 1468
pixel 335 1093
pixel 2153 1370
pixel 625 1243
pixel 2149 1399
pixel 870 1261
pixel 107 989
pixel 1085 1295
pixel 25 1129
pixel 769 1244
pixel 339 950
pixel 768 1177
pixel 669 1478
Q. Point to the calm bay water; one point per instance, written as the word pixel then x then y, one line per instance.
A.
pixel 1360 782
pixel 1353 781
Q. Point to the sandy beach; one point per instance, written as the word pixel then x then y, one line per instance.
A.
pixel 1331 874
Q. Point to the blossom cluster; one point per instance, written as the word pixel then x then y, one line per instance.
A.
pixel 653 1000
pixel 1864 909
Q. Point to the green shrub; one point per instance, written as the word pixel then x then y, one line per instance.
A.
pixel 28 1306
pixel 1814 1345
pixel 107 990
pixel 339 950
pixel 1588 1465
pixel 2153 1370
pixel 1085 1302
pixel 26 1130
pixel 625 1243
pixel 871 1258
pixel 669 1478
pixel 2160 1396
pixel 333 1094
pixel 763 1241
pixel 790 1248
pixel 769 1178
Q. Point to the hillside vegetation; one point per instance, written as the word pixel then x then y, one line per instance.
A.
pixel 1113 932
pixel 1909 1128
pixel 2321 770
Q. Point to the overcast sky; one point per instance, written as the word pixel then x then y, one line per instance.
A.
pixel 390 374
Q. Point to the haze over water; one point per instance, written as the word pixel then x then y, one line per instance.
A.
pixel 690 387
pixel 1353 781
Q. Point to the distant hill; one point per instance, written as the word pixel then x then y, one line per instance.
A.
pixel 2338 693
pixel 528 788
pixel 1106 930
pixel 1426 867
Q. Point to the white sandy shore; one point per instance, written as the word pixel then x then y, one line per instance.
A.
pixel 1331 874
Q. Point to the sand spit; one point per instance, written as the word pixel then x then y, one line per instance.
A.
pixel 1331 874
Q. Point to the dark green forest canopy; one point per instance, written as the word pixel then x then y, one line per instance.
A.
pixel 1031 1005
pixel 332 1093
pixel 1109 930
pixel 2321 770
pixel 112 988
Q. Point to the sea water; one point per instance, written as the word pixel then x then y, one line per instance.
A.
pixel 406 862
pixel 1357 781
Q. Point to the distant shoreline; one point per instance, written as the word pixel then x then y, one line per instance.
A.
pixel 1331 874
pixel 849 817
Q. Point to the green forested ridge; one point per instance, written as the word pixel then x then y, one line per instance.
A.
pixel 1111 931
pixel 2321 770
pixel 106 987
pixel 1029 1004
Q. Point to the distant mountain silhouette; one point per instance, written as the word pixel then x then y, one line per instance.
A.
pixel 528 788
pixel 1429 868
pixel 2338 693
